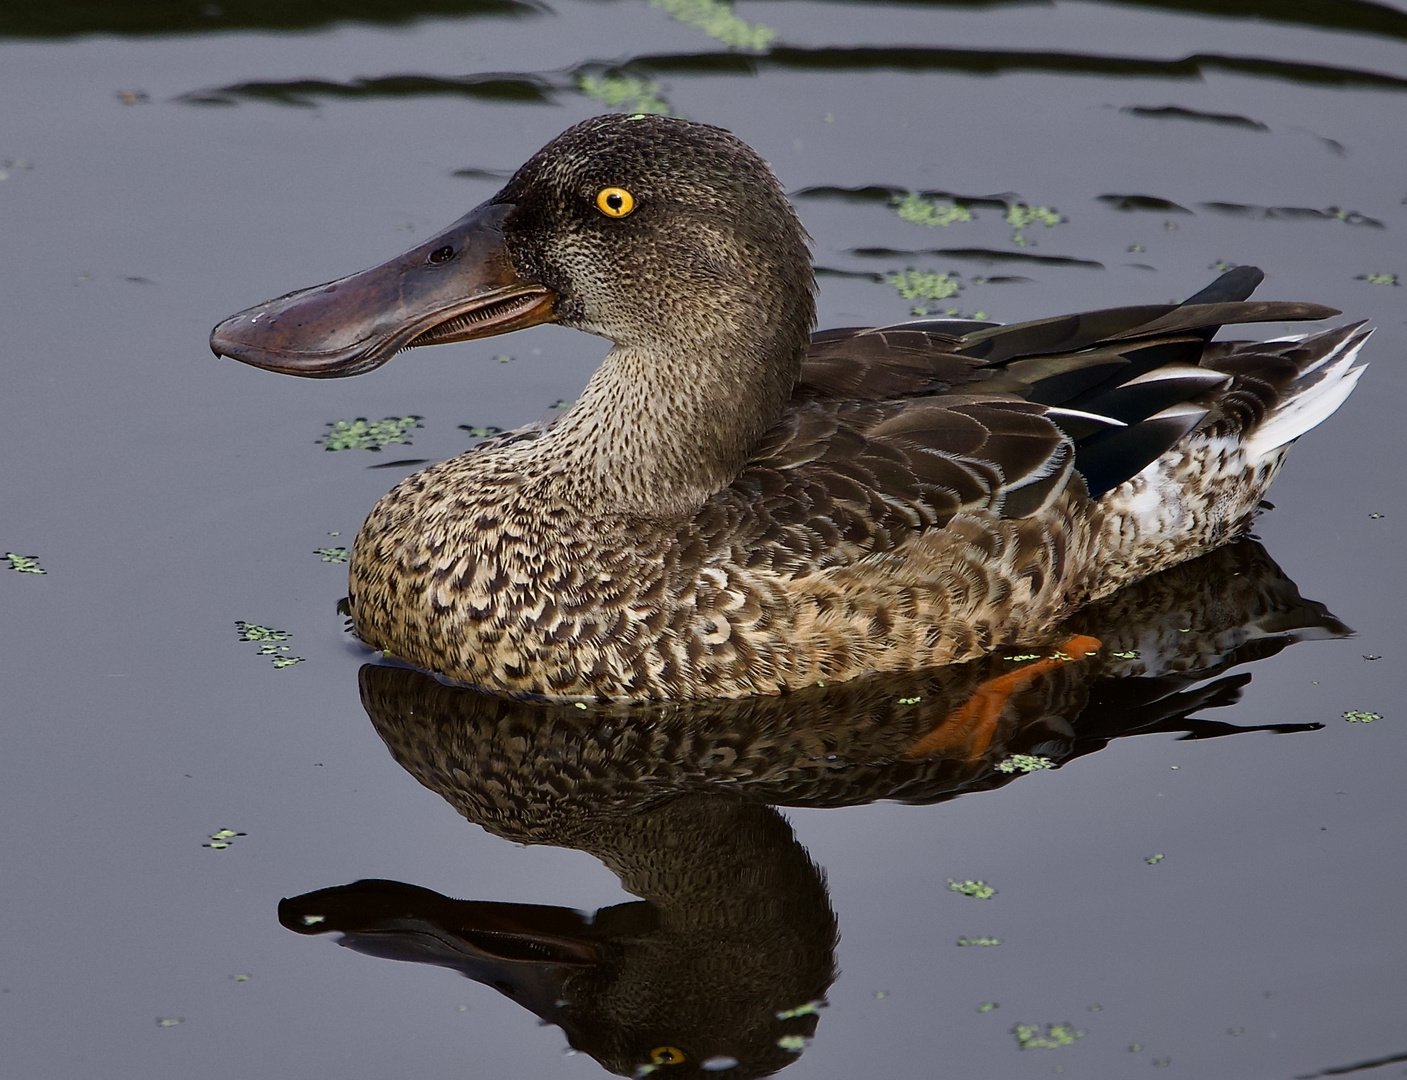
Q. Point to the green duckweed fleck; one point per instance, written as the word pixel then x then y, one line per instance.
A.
pixel 481 431
pixel 641 96
pixel 978 890
pixel 1019 216
pixel 1051 1037
pixel 268 639
pixel 25 564
pixel 925 285
pixel 1154 860
pixel 1025 763
pixel 1360 716
pixel 333 554
pixel 716 19
pixel 809 1009
pixel 361 434
pixel 221 839
pixel 255 632
pixel 915 208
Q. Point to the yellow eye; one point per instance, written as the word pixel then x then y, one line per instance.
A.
pixel 615 202
pixel 661 1055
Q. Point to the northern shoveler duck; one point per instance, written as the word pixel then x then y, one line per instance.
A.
pixel 736 506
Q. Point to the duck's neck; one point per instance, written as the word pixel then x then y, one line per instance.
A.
pixel 663 425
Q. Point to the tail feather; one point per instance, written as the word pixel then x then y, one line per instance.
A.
pixel 1327 376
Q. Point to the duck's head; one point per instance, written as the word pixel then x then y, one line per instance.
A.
pixel 650 231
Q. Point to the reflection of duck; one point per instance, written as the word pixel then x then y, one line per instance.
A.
pixel 734 507
pixel 735 925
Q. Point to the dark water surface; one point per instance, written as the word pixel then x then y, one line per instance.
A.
pixel 1224 905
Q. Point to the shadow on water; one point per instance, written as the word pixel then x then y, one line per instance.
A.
pixel 544 87
pixel 722 963
pixel 143 17
pixel 151 17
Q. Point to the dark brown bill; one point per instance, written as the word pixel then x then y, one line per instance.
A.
pixel 456 286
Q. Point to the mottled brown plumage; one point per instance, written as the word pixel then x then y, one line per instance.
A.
pixel 734 507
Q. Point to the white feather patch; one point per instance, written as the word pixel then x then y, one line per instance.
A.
pixel 1310 406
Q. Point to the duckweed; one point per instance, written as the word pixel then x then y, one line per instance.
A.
pixel 811 1008
pixel 925 285
pixel 915 208
pixel 361 434
pixel 1359 716
pixel 716 19
pixel 1053 1036
pixel 621 91
pixel 255 632
pixel 1379 279
pixel 792 1044
pixel 221 839
pixel 268 638
pixel 987 1006
pixel 1019 216
pixel 333 554
pixel 1154 860
pixel 1025 763
pixel 978 890
pixel 25 564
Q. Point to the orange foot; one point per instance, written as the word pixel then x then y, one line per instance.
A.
pixel 973 724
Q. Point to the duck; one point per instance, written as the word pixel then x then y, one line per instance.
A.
pixel 738 506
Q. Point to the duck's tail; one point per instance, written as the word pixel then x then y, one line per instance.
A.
pixel 1205 489
pixel 1323 376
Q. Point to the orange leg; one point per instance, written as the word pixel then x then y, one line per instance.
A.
pixel 973 724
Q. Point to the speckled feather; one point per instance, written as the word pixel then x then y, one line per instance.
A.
pixel 729 510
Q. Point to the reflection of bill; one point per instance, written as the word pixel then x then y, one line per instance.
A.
pixel 733 939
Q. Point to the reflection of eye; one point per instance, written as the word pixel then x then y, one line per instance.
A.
pixel 661 1055
pixel 442 255
pixel 615 202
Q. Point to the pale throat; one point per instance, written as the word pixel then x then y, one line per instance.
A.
pixel 659 429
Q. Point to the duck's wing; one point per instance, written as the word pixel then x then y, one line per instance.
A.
pixel 893 431
pixel 837 481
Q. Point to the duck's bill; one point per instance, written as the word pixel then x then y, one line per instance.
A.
pixel 456 286
pixel 524 950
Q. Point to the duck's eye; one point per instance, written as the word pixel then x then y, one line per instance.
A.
pixel 615 202
pixel 442 254
pixel 666 1055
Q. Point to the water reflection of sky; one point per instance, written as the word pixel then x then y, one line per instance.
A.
pixel 169 496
